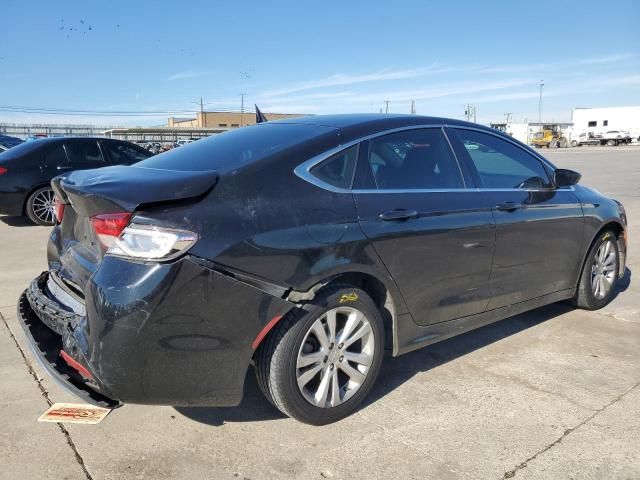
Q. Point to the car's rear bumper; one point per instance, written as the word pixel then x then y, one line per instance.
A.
pixel 167 334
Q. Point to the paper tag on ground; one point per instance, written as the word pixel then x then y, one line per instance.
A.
pixel 74 413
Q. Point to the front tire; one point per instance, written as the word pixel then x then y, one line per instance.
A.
pixel 318 366
pixel 600 273
pixel 40 207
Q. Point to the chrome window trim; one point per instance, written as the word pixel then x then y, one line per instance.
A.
pixel 303 171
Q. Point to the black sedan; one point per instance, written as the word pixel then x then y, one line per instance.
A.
pixel 307 247
pixel 26 170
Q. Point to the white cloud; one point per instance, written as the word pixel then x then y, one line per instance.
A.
pixel 185 75
pixel 340 79
pixel 619 57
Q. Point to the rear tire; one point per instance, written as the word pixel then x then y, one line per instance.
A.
pixel 40 208
pixel 318 376
pixel 574 143
pixel 599 274
pixel 612 143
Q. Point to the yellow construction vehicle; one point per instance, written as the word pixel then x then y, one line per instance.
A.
pixel 551 137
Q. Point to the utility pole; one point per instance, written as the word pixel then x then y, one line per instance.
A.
pixel 540 105
pixel 386 110
pixel 413 107
pixel 202 122
pixel 242 108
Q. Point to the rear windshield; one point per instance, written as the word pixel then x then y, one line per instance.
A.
pixel 230 150
pixel 22 149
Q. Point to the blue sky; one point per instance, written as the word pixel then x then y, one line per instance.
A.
pixel 320 57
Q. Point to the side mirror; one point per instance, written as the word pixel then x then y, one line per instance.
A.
pixel 563 177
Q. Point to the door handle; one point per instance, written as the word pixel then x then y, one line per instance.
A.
pixel 63 168
pixel 398 215
pixel 508 206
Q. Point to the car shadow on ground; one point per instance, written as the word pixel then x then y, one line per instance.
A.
pixel 395 371
pixel 17 221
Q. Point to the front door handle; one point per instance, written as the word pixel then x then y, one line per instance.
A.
pixel 508 206
pixel 59 167
pixel 398 215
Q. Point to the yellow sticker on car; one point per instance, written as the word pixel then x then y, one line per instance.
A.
pixel 349 297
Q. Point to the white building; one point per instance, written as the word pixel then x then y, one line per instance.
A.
pixel 602 120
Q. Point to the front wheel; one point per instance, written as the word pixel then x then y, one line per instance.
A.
pixel 600 273
pixel 317 367
pixel 40 207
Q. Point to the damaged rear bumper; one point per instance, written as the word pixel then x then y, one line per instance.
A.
pixel 45 327
pixel 165 334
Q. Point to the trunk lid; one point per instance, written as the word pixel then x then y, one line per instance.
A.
pixel 120 189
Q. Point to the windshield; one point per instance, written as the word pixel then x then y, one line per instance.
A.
pixel 22 149
pixel 230 150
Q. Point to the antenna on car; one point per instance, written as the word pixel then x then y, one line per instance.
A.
pixel 260 118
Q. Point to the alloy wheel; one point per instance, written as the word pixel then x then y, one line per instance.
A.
pixel 335 357
pixel 603 270
pixel 43 206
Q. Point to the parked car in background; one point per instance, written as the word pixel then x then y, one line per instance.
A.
pixel 26 170
pixel 7 142
pixel 616 137
pixel 307 247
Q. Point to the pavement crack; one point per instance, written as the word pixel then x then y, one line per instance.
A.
pixel 45 394
pixel 512 473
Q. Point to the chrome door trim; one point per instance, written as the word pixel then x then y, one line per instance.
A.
pixel 303 171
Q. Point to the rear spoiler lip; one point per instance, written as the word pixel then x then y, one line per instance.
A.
pixel 128 188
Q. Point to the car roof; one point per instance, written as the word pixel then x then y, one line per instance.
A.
pixel 368 123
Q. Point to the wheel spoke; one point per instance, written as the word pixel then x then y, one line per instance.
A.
pixel 352 322
pixel 331 323
pixel 307 376
pixel 321 334
pixel 335 388
pixel 610 259
pixel 321 394
pixel 354 375
pixel 363 358
pixel 310 359
pixel 361 332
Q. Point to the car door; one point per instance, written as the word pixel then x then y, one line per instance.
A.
pixel 431 232
pixel 84 153
pixel 538 227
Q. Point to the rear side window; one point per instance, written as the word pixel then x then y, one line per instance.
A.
pixel 500 164
pixel 414 159
pixel 123 153
pixel 338 169
pixel 55 156
pixel 84 152
pixel 230 150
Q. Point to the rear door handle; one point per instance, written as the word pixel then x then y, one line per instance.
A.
pixel 508 206
pixel 63 168
pixel 398 215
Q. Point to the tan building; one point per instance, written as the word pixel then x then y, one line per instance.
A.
pixel 223 119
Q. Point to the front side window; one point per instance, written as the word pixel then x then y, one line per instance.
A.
pixel 414 159
pixel 338 169
pixel 501 164
pixel 84 152
pixel 593 124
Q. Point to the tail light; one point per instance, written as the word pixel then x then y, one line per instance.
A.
pixel 143 242
pixel 3 170
pixel 59 208
pixel 108 226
